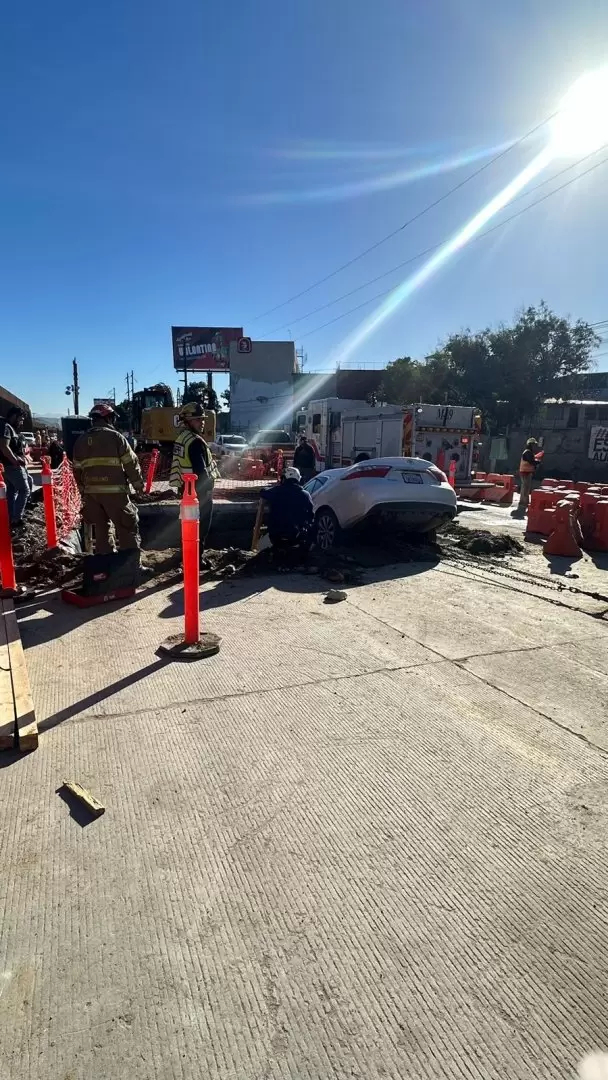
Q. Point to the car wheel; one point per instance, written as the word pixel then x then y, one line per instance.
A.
pixel 328 529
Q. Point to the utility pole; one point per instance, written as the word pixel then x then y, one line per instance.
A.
pixel 132 391
pixel 128 388
pixel 76 387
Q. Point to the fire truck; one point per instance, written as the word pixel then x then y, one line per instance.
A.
pixel 342 430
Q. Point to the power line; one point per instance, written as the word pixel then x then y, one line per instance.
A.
pixel 427 251
pixel 406 224
pixel 487 232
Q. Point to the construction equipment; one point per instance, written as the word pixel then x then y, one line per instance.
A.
pixel 155 418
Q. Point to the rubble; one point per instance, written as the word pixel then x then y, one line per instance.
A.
pixel 480 541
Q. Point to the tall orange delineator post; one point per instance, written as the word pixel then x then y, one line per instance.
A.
pixel 48 494
pixel 189 513
pixel 151 471
pixel 452 473
pixel 191 645
pixel 7 563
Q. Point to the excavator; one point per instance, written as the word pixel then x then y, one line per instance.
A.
pixel 155 421
pixel 155 418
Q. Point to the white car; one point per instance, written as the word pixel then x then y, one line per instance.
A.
pixel 406 493
pixel 228 444
pixel 29 438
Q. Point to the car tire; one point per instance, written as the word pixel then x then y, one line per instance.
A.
pixel 328 529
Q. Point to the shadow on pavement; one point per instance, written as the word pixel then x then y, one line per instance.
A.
pixel 231 590
pixel 102 695
pixel 78 812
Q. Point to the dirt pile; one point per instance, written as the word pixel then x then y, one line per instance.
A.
pixel 35 565
pixel 480 541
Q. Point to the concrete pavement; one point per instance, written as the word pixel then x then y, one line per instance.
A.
pixel 365 840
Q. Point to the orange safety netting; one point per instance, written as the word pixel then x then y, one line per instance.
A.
pixel 67 499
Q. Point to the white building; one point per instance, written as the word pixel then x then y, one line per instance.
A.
pixel 261 386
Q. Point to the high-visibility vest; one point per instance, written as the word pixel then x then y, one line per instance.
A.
pixel 525 467
pixel 182 462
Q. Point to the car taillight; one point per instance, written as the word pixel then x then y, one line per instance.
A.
pixel 438 474
pixel 370 473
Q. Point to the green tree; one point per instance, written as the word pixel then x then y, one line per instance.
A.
pixel 506 372
pixel 199 391
pixel 226 396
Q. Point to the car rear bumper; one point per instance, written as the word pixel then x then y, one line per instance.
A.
pixel 419 517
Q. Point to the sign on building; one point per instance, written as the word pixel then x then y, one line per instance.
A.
pixel 203 348
pixel 598 444
pixel 103 401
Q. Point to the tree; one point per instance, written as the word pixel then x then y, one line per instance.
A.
pixel 505 372
pixel 226 396
pixel 199 391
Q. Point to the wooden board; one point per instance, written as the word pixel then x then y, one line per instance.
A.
pixel 92 804
pixel 25 716
pixel 7 704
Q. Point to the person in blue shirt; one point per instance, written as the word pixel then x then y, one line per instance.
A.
pixel 291 516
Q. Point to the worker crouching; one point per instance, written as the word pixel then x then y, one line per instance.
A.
pixel 104 466
pixel 192 455
pixel 291 518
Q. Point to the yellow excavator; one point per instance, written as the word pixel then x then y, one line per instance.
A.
pixel 155 419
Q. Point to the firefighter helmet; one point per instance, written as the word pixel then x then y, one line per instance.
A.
pixel 191 411
pixel 102 409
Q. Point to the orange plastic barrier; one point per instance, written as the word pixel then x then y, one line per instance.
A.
pixel 48 494
pixel 596 533
pixel 452 474
pixel 563 537
pixel 503 491
pixel 541 500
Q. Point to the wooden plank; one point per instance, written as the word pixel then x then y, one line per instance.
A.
pixel 7 703
pixel 92 804
pixel 25 716
pixel 257 526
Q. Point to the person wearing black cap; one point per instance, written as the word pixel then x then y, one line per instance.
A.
pixel 12 455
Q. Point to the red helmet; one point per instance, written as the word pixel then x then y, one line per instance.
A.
pixel 102 409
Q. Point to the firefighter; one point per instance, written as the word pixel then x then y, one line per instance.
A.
pixel 192 455
pixel 527 468
pixel 104 466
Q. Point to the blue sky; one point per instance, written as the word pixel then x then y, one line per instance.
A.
pixel 196 163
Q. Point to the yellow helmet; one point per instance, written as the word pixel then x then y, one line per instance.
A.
pixel 191 411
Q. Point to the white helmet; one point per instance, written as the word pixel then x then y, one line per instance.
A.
pixel 292 473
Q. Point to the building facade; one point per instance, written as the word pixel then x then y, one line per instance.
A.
pixel 261 386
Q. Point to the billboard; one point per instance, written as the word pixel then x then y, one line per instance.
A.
pixel 598 444
pixel 104 401
pixel 203 348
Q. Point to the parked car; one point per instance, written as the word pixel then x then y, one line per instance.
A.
pixel 29 438
pixel 228 444
pixel 406 494
pixel 272 439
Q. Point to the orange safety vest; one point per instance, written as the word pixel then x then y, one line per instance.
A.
pixel 525 467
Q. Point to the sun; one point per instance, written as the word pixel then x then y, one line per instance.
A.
pixel 581 125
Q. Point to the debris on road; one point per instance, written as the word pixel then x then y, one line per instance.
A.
pixel 92 804
pixel 334 596
pixel 481 541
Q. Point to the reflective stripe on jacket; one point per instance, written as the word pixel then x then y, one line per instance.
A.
pixel 104 463
pixel 182 461
pixel 525 467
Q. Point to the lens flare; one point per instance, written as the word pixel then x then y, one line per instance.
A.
pixel 385 182
pixel 430 267
pixel 581 125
